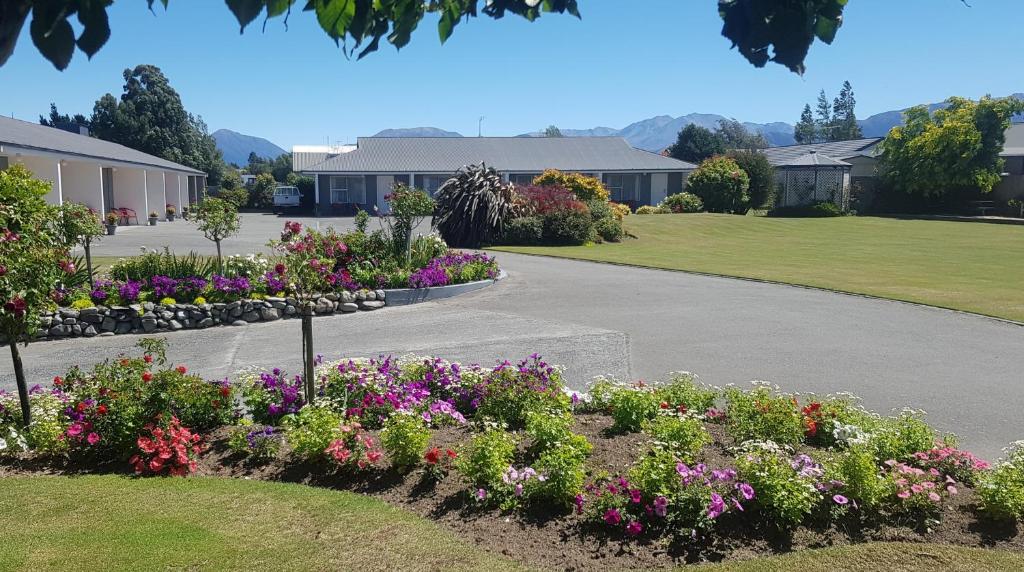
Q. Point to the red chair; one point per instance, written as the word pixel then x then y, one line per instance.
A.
pixel 127 215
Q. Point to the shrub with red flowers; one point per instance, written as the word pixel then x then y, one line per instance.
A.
pixel 166 448
pixel 438 462
pixel 355 449
pixel 542 200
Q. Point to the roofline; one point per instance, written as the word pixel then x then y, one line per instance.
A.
pixel 513 171
pixel 871 139
pixel 492 137
pixel 181 168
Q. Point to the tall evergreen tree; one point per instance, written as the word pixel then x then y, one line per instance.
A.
pixel 696 143
pixel 804 131
pixel 56 118
pixel 151 118
pixel 844 116
pixel 823 120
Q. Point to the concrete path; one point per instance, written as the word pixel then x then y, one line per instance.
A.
pixel 965 370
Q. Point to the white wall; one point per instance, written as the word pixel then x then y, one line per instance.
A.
pixel 155 193
pixel 130 191
pixel 45 169
pixel 176 190
pixel 82 183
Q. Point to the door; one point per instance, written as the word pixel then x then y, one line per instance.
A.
pixel 384 185
pixel 659 187
pixel 108 189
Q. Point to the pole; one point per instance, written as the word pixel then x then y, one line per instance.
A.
pixel 88 261
pixel 19 376
pixel 307 351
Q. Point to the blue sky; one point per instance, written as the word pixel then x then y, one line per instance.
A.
pixel 614 67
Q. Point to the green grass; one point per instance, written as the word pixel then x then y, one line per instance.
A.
pixel 974 267
pixel 118 523
pixel 121 523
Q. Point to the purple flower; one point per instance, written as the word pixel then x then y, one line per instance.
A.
pixel 746 490
pixel 634 528
pixel 129 291
pixel 661 506
pixel 840 499
pixel 612 517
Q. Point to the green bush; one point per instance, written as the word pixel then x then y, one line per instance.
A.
pixel 546 429
pixel 684 436
pixel 405 439
pixel 761 174
pixel 256 442
pixel 609 229
pixel 563 472
pixel 820 209
pixel 567 227
pixel 683 203
pixel 311 431
pixel 511 394
pixel 784 494
pixel 721 185
pixel 238 197
pixel 857 470
pixel 261 192
pixel 763 415
pixel 649 210
pixel 1002 488
pixel 898 438
pixel 684 390
pixel 474 206
pixel 525 230
pixel 631 407
pixel 599 209
pixel 655 474
pixel 484 460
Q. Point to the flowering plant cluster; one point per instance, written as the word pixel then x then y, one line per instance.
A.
pixel 271 395
pixel 439 463
pixel 961 465
pixel 166 449
pixel 918 490
pixel 455 268
pixel 355 448
pixel 257 442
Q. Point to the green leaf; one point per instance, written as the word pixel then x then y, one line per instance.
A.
pixel 245 11
pixel 95 27
pixel 335 16
pixel 826 29
pixel 55 40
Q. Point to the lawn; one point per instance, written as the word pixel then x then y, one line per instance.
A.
pixel 119 523
pixel 965 266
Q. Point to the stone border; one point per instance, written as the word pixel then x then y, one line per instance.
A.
pixel 407 296
pixel 147 317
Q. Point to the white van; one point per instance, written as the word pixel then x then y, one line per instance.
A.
pixel 285 196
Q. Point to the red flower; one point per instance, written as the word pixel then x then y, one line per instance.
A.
pixel 451 454
pixel 147 377
pixel 681 408
pixel 181 369
pixel 433 456
pixel 58 381
pixel 225 391
pixel 80 407
pixel 147 358
pixel 663 405
pixel 102 409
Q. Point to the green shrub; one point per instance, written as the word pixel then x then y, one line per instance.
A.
pixel 784 494
pixel 684 390
pixel 525 230
pixel 405 439
pixel 898 438
pixel 487 456
pixel 762 414
pixel 761 174
pixel 819 209
pixel 567 227
pixel 474 206
pixel 585 188
pixel 1002 488
pixel 630 407
pixel 162 263
pixel 510 394
pixel 546 429
pixel 656 474
pixel 563 471
pixel 857 470
pixel 199 404
pixel 238 197
pixel 362 220
pixel 311 431
pixel 649 210
pixel 257 442
pixel 683 435
pixel 609 229
pixel 683 203
pixel 721 185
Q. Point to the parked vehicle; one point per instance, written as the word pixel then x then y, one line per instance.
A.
pixel 286 196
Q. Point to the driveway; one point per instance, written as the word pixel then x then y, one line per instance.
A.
pixel 964 370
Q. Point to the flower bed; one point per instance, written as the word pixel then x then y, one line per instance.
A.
pixel 626 476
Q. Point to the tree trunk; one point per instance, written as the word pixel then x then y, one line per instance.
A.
pixel 19 376
pixel 88 262
pixel 220 265
pixel 307 352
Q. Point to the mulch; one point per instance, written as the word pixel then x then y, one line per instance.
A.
pixel 547 537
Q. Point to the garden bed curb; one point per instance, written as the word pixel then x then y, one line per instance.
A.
pixel 407 296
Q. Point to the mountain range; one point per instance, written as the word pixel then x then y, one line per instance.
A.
pixel 236 146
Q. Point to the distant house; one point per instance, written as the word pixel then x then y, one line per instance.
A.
pixel 98 173
pixel 1012 185
pixel 360 176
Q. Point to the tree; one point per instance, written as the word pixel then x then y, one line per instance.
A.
pixel 721 184
pixel 33 260
pixel 281 167
pixel 552 131
pixel 761 174
pixel 80 224
pixel 150 117
pixel 781 31
pixel 957 148
pixel 805 132
pixel 56 119
pixel 734 135
pixel 696 143
pixel 823 120
pixel 261 192
pixel 217 219
pixel 844 116
pixel 409 208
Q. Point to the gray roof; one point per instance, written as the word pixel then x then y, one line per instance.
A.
pixel 19 133
pixel 1014 146
pixel 814 159
pixel 302 160
pixel 509 154
pixel 836 150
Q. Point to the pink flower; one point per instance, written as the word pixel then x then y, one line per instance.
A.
pixel 481 494
pixel 75 429
pixel 916 488
pixel 634 495
pixel 93 438
pixel 634 528
pixel 934 497
pixel 904 494
pixel 612 517
pixel 840 499
pixel 951 489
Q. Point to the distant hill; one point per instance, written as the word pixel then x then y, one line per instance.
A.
pixel 417 132
pixel 237 146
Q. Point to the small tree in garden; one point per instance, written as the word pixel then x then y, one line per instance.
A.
pixel 33 259
pixel 721 184
pixel 761 174
pixel 409 208
pixel 217 219
pixel 474 206
pixel 80 224
pixel 313 263
pixel 585 188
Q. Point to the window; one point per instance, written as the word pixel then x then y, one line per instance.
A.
pixel 622 187
pixel 431 183
pixel 522 178
pixel 348 190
